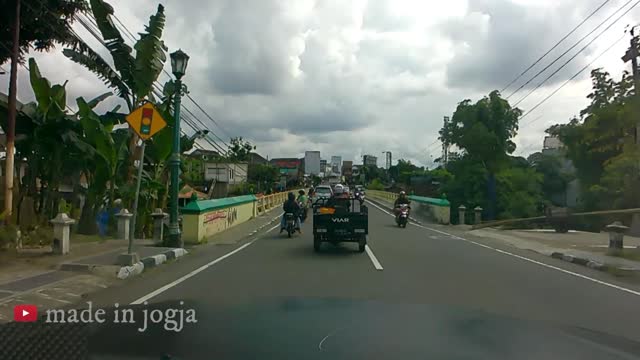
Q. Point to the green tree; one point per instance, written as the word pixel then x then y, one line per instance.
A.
pixel 483 132
pixel 376 185
pixel 263 175
pixel 240 149
pixel 403 170
pixel 554 179
pixel 519 192
pixel 599 134
pixel 42 24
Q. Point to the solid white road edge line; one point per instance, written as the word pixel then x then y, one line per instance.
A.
pixel 629 291
pixel 194 272
pixel 373 258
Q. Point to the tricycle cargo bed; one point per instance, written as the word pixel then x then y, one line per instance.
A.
pixel 341 225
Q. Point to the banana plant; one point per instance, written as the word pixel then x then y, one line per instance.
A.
pixel 134 76
pixel 109 156
pixel 55 145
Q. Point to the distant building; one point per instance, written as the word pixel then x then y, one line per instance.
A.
pixel 312 163
pixel 323 166
pixel 291 168
pixel 388 160
pixel 347 169
pixel 370 160
pixel 224 175
pixel 204 155
pixel 255 158
pixel 336 165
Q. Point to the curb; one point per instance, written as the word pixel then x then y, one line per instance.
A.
pixel 592 264
pixel 138 268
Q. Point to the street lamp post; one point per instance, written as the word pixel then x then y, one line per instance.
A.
pixel 179 62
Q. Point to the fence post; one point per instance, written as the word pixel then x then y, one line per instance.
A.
pixel 478 214
pixel 616 236
pixel 61 232
pixel 124 218
pixel 158 224
pixel 461 211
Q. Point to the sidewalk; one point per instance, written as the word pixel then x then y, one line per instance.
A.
pixel 582 248
pixel 589 249
pixel 35 276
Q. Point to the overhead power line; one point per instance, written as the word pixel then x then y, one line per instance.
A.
pixel 556 45
pixel 528 147
pixel 574 45
pixel 573 77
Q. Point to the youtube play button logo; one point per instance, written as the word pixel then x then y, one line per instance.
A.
pixel 25 313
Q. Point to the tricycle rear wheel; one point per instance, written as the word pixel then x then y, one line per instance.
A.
pixel 316 244
pixel 362 243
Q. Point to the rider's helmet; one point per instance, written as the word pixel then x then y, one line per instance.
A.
pixel 291 196
pixel 402 193
pixel 301 192
pixel 338 189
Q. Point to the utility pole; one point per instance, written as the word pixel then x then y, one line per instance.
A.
pixel 632 55
pixel 445 144
pixel 11 121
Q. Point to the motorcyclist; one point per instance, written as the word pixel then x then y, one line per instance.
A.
pixel 291 206
pixel 401 200
pixel 303 201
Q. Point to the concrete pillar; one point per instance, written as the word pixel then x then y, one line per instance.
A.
pixel 158 224
pixel 461 210
pixel 616 235
pixel 124 219
pixel 478 213
pixel 61 231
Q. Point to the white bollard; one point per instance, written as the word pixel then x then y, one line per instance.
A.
pixel 61 232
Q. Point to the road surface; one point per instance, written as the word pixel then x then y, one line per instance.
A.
pixel 417 265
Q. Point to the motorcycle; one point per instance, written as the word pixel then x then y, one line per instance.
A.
pixel 360 197
pixel 290 223
pixel 402 218
pixel 303 213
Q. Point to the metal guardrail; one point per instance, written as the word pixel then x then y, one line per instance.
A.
pixel 546 217
pixel 268 202
pixel 384 195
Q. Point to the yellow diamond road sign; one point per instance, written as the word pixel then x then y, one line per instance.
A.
pixel 146 121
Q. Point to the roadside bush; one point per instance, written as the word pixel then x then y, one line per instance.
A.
pixel 40 235
pixel 376 185
pixel 8 236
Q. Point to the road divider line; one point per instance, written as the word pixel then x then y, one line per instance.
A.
pixel 373 258
pixel 195 272
pixel 568 272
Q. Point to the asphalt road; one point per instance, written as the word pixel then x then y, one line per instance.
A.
pixel 416 265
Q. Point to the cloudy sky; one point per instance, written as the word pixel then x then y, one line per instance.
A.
pixel 360 77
